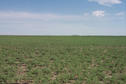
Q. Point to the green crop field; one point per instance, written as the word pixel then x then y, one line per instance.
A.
pixel 62 60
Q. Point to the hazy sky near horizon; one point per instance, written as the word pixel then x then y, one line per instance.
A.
pixel 62 17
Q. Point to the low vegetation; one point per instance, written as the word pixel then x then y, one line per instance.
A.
pixel 62 60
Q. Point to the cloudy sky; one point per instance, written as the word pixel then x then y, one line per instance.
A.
pixel 62 17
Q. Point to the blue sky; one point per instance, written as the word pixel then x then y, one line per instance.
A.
pixel 62 17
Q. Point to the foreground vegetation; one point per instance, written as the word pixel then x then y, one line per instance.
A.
pixel 62 60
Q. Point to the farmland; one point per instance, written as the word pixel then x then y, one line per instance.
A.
pixel 63 59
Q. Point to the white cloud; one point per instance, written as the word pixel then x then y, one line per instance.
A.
pixel 49 24
pixel 86 14
pixel 107 2
pixel 98 13
pixel 12 16
pixel 120 14
pixel 40 16
pixel 27 15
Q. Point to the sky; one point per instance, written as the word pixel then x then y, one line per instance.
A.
pixel 63 17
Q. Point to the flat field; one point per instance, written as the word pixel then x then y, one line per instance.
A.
pixel 62 60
